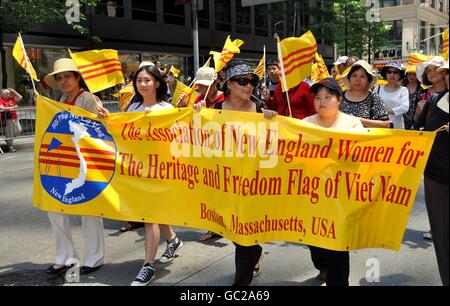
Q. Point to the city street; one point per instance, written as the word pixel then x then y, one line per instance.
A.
pixel 27 248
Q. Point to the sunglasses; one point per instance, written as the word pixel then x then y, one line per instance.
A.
pixel 392 71
pixel 245 81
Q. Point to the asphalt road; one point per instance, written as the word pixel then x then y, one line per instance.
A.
pixel 27 248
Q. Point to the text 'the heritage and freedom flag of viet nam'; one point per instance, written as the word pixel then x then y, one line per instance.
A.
pixel 296 55
pixel 100 69
pixel 21 57
pixel 228 51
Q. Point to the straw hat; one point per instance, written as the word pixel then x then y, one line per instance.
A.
pixel 60 65
pixel 437 61
pixel 366 66
pixel 205 76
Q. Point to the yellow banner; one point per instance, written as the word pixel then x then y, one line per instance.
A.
pixel 319 70
pixel 100 69
pixel 234 173
pixel 19 53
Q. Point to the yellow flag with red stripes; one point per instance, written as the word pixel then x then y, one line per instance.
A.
pixel 100 69
pixel 296 55
pixel 445 44
pixel 338 77
pixel 228 51
pixel 125 95
pixel 319 70
pixel 22 58
pixel 417 58
pixel 259 70
pixel 175 71
pixel 190 93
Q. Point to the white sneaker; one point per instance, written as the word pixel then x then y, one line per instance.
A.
pixel 145 276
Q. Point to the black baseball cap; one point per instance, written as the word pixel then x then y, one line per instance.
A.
pixel 329 83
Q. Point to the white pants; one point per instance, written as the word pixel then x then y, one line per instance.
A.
pixel 94 242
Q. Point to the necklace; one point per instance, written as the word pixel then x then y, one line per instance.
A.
pixel 353 97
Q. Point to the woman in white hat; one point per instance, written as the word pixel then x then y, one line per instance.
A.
pixel 428 75
pixel 415 91
pixel 359 101
pixel 436 174
pixel 395 97
pixel 205 78
pixel 66 77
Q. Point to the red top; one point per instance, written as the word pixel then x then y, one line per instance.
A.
pixel 302 101
pixel 7 114
pixel 219 98
pixel 74 99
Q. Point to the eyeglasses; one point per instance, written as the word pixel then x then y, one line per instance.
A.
pixel 392 71
pixel 245 81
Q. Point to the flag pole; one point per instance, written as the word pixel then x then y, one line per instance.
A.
pixel 264 64
pixel 283 75
pixel 26 63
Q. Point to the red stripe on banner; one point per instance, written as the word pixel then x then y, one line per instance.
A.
pixel 75 157
pixel 22 61
pixel 287 72
pixel 299 59
pixel 85 72
pixel 287 56
pixel 74 165
pixel 98 63
pixel 84 150
pixel 103 73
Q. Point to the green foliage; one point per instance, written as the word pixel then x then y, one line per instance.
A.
pixel 354 34
pixel 19 15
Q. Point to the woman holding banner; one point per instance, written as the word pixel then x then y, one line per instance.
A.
pixel 66 77
pixel 334 266
pixel 238 88
pixel 434 116
pixel 151 89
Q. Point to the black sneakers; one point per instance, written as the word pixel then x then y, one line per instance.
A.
pixel 144 276
pixel 173 246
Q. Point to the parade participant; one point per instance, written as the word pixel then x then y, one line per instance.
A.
pixel 334 266
pixel 273 73
pixel 66 77
pixel 341 63
pixel 9 119
pixel 301 101
pixel 150 91
pixel 395 97
pixel 238 88
pixel 351 60
pixel 204 79
pixel 414 89
pixel 436 176
pixel 359 101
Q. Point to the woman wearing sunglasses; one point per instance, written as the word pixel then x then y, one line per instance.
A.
pixel 395 96
pixel 239 85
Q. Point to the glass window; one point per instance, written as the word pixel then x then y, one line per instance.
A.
pixel 242 18
pixel 261 24
pixel 223 15
pixel 433 3
pixel 441 6
pixel 433 47
pixel 203 15
pixel 173 12
pixel 143 10
pixel 110 8
pixel 388 3
pixel 422 35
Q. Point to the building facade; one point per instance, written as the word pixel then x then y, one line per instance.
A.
pixel 156 29
pixel 416 26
